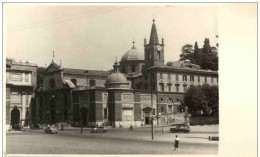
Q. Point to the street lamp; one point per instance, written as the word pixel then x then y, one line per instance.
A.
pixel 151 85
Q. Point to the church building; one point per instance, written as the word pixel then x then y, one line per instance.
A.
pixel 141 87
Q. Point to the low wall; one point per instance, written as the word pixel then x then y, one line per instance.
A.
pixel 204 120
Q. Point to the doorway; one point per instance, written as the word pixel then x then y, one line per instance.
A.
pixel 15 116
pixel 147 117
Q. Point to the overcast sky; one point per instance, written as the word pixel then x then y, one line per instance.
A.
pixel 90 37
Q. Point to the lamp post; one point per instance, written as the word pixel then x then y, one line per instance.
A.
pixel 151 85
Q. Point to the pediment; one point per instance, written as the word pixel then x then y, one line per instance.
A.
pixel 52 68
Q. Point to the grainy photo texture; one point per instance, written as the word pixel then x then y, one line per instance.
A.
pixel 111 79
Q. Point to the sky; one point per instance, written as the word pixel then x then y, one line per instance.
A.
pixel 92 36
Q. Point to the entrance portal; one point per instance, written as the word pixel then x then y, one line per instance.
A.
pixel 147 117
pixel 15 116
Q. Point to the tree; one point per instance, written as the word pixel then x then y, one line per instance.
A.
pixel 186 50
pixel 202 98
pixel 206 46
pixel 194 99
pixel 196 51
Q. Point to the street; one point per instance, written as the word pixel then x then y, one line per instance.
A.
pixel 115 141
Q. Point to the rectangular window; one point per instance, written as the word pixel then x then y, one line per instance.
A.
pixel 92 82
pixel 205 78
pixel 105 112
pixel 162 87
pixel 15 98
pixel 177 78
pixel 198 78
pixel 153 111
pixel 169 76
pixel 185 88
pixel 211 79
pixel 161 76
pixel 177 88
pixel 162 109
pixel 27 77
pixel 169 108
pixel 169 87
pixel 184 78
pixel 16 77
pixel 192 78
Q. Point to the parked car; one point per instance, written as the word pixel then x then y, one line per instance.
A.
pixel 181 128
pixel 36 126
pixel 213 138
pixel 51 130
pixel 101 129
pixel 18 127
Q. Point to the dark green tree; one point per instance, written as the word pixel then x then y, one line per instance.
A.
pixel 202 98
pixel 196 51
pixel 206 46
pixel 186 52
pixel 206 57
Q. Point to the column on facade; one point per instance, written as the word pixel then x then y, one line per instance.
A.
pixel 29 79
pixel 23 107
pixel 28 105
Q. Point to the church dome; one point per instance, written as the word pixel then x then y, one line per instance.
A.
pixel 133 54
pixel 117 79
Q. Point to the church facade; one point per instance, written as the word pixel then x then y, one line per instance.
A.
pixel 140 87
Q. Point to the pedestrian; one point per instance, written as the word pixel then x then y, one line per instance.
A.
pixel 61 127
pixel 163 130
pixel 81 129
pixel 176 143
pixel 131 127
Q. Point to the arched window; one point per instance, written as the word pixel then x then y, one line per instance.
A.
pixel 170 105
pixel 184 78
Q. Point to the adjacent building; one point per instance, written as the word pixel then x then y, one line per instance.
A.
pixel 21 80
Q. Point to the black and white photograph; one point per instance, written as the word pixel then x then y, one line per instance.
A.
pixel 111 79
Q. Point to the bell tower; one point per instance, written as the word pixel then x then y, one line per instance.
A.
pixel 154 51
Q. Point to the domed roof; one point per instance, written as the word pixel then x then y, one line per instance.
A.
pixel 133 54
pixel 116 78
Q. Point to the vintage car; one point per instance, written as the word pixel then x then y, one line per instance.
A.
pixel 51 130
pixel 100 129
pixel 18 127
pixel 180 128
pixel 213 138
pixel 36 126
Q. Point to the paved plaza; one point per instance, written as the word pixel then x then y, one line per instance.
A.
pixel 115 141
